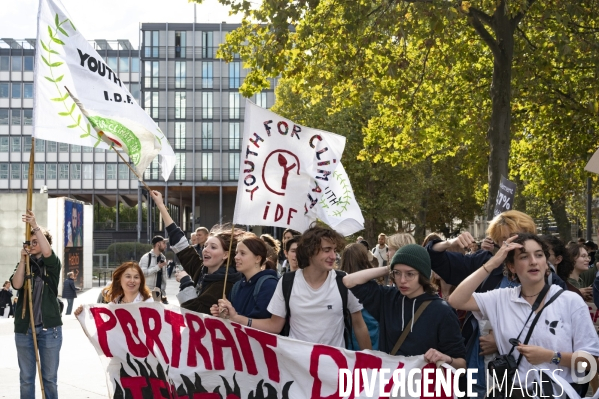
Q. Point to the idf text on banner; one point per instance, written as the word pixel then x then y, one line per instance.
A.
pixel 157 351
pixel 64 59
pixel 284 169
pixel 338 207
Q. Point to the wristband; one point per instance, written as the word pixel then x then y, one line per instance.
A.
pixel 249 322
pixel 484 267
pixel 450 361
pixel 36 229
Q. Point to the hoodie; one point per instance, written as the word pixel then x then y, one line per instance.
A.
pixel 436 328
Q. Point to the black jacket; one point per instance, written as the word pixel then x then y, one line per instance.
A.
pixel 437 327
pixel 68 289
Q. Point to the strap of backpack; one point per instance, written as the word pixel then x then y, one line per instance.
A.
pixel 344 292
pixel 258 286
pixel 406 330
pixel 287 286
pixel 235 289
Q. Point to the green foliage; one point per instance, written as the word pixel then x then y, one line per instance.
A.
pixel 120 252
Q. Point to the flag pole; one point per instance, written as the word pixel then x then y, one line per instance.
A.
pixel 28 290
pixel 131 169
pixel 228 260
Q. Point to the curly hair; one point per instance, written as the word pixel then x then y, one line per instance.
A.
pixel 565 267
pixel 45 233
pixel 115 290
pixel 273 242
pixel 521 239
pixel 310 243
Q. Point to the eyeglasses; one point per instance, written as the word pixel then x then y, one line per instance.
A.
pixel 408 275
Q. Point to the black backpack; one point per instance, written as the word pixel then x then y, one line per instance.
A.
pixel 343 291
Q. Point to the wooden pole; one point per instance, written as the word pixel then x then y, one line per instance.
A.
pixel 28 286
pixel 228 261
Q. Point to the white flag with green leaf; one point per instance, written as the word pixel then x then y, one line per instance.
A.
pixel 107 114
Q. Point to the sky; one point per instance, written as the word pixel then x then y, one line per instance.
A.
pixel 109 19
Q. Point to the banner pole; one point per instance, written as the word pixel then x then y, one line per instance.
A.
pixel 28 289
pixel 228 260
pixel 131 169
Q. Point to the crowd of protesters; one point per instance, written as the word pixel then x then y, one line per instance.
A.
pixel 454 301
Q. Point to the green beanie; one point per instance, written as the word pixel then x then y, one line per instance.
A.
pixel 415 256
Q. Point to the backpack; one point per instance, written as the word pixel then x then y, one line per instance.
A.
pixel 287 286
pixel 257 287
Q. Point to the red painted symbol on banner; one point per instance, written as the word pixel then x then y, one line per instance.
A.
pixel 283 162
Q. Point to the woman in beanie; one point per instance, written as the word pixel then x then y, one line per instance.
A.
pixel 435 334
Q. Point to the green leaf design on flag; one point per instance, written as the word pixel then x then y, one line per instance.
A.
pixel 46 61
pixel 56 20
pixel 61 98
pixel 55 40
pixel 64 32
pixel 50 31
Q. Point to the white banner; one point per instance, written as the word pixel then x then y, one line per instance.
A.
pixel 64 59
pixel 338 207
pixel 284 169
pixel 157 351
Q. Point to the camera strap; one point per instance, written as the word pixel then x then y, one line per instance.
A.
pixel 535 306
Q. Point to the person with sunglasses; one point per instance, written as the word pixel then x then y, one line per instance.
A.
pixel 412 305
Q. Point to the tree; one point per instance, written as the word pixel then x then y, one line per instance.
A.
pixel 429 63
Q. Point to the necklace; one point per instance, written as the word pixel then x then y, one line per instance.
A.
pixel 529 296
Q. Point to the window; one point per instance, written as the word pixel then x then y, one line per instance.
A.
pixel 17 63
pixel 88 171
pixel 27 144
pixel 123 64
pixel 261 100
pixel 207 105
pixel 3 171
pixel 135 64
pixel 180 74
pixel 15 116
pixel 4 144
pixel 234 136
pixel 27 90
pixel 28 63
pixel 86 148
pixel 111 171
pixel 40 171
pixel 179 135
pixel 98 149
pixel 234 101
pixel 51 146
pixel 207 166
pixel 3 90
pixel 151 103
pixel 233 166
pixel 234 68
pixel 15 171
pixel 207 49
pixel 63 147
pixel 15 144
pixel 112 64
pixel 75 171
pixel 25 171
pixel 180 104
pixel 63 170
pixel 152 72
pixel 5 63
pixel 151 43
pixel 51 171
pixel 123 172
pixel 28 117
pixel 15 90
pixel 3 116
pixel 180 44
pixel 40 145
pixel 135 90
pixel 75 148
pixel 151 172
pixel 99 168
pixel 180 166
pixel 207 75
pixel 206 135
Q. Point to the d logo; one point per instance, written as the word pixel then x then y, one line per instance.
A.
pixel 585 370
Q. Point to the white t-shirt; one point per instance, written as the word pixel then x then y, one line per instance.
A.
pixel 564 326
pixel 316 315
pixel 380 254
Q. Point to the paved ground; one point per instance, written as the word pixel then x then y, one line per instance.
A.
pixel 81 374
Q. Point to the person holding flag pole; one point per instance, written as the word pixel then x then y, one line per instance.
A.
pixel 37 314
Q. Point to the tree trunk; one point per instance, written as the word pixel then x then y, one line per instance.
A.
pixel 564 227
pixel 498 134
pixel 420 230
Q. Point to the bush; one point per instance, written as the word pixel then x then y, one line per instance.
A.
pixel 120 252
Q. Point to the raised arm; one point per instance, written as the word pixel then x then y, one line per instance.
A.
pixel 157 198
pixel 42 241
pixel 225 310
pixel 462 297
pixel 363 276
